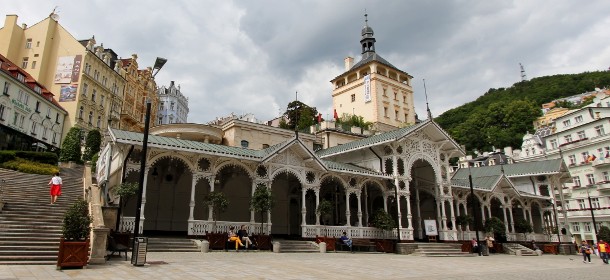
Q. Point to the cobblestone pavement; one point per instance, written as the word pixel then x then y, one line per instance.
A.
pixel 266 265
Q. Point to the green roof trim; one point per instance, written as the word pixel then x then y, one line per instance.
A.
pixel 550 166
pixel 345 167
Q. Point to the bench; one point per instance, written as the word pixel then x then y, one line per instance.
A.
pixel 364 245
pixel 114 247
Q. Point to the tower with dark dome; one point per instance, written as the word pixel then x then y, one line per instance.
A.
pixel 374 88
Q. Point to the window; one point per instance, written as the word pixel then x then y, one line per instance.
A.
pixel 606 176
pixel 244 144
pixel 578 119
pixel 265 146
pixel 6 87
pixel 385 112
pixel 600 130
pixel 44 133
pixel 581 135
pixel 20 77
pixel 595 203
pixel 57 118
pixel 590 179
pixel 160 120
pixel 396 96
pixel 54 137
pixel 99 121
pixel 91 117
pixel 93 95
pixel 568 138
pixel 24 63
pixel 28 43
pixel 587 227
pixel 37 107
pixel 576 181
pixel 102 99
pixel 396 114
pixel 575 227
pixel 24 97
pixel 581 204
pixel 34 126
pixel 585 156
pixel 566 123
pixel 353 98
pixel 171 106
pixel 572 159
pixel 38 44
pixel 2 112
pixel 33 64
pixel 404 99
pixel 85 88
pixel 48 112
pixel 553 144
pixel 406 117
pixel 80 112
pixel 384 92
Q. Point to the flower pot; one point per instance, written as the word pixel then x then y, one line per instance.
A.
pixel 72 253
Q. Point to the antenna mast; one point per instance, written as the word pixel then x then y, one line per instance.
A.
pixel 523 76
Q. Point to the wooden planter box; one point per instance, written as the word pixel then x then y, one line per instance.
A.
pixel 73 253
pixel 123 238
pixel 385 245
pixel 330 242
pixel 217 241
pixel 263 242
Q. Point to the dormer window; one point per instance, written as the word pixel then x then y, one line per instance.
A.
pixel 37 89
pixel 20 77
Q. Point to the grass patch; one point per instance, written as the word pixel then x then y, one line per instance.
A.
pixel 26 166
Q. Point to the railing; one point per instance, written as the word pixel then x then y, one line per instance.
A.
pixel 310 231
pixel 128 223
pixel 201 227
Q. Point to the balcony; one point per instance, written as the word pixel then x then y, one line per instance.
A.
pixel 601 162
pixel 603 186
pixel 586 213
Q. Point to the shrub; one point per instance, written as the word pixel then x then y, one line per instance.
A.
pixel 92 144
pixel 26 166
pixel 7 156
pixel 604 233
pixel 42 157
pixel 261 202
pixel 76 223
pixel 70 149
pixel 384 221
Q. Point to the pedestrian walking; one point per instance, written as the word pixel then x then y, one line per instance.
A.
pixel 602 247
pixel 490 243
pixel 475 245
pixel 585 249
pixel 55 184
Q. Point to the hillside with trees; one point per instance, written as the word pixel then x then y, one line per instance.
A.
pixel 501 117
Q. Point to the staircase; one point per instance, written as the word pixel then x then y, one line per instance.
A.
pixel 518 250
pixel 30 227
pixel 165 244
pixel 298 246
pixel 440 250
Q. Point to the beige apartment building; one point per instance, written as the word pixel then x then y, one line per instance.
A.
pixel 374 89
pixel 140 87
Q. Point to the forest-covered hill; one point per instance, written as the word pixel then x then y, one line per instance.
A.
pixel 501 117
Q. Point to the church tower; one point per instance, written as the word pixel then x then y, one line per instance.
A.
pixel 374 88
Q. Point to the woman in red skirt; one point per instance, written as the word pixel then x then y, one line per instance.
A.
pixel 55 184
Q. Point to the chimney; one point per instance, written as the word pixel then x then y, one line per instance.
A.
pixel 171 84
pixel 24 26
pixel 508 151
pixel 349 63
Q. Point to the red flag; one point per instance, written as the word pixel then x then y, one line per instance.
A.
pixel 319 118
pixel 336 116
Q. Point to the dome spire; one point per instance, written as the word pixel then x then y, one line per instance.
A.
pixel 368 41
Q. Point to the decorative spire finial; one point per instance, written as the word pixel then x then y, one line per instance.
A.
pixel 427 106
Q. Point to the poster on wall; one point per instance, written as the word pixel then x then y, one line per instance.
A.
pixel 68 93
pixel 367 88
pixel 430 226
pixel 68 69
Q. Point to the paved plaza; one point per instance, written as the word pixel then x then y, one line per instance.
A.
pixel 266 265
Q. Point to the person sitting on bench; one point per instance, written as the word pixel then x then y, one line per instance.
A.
pixel 234 238
pixel 243 235
pixel 346 240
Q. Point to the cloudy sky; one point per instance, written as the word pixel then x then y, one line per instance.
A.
pixel 252 56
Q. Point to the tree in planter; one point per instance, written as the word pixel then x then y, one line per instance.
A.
pixel 384 221
pixel 74 245
pixel 604 233
pixel 219 203
pixel 523 226
pixel 325 208
pixel 463 220
pixel 496 227
pixel 125 191
pixel 92 144
pixel 262 202
pixel 70 148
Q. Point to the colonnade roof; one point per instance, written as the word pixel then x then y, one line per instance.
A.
pixel 260 156
pixel 387 137
pixel 518 169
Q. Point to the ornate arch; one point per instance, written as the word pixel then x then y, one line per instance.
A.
pixel 233 162
pixel 341 180
pixel 427 158
pixel 287 170
pixel 157 157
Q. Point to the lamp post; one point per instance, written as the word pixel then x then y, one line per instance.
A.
pixel 592 214
pixel 472 208
pixel 136 229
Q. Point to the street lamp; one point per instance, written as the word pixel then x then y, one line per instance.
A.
pixel 592 214
pixel 472 208
pixel 159 62
pixel 136 229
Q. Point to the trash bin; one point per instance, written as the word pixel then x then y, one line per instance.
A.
pixel 138 256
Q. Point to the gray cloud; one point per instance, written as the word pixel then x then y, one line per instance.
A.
pixel 252 56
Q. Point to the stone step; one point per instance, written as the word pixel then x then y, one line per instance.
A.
pixel 29 252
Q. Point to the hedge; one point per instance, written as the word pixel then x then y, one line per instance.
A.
pixel 7 156
pixel 42 157
pixel 26 166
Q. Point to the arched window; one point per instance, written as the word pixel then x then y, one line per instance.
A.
pixel 244 144
pixel 90 117
pixel 80 112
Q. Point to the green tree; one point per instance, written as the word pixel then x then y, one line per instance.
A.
pixel 76 222
pixel 325 209
pixel 262 202
pixel 92 144
pixel 495 226
pixel 383 220
pixel 523 226
pixel 463 220
pixel 603 233
pixel 125 191
pixel 219 203
pixel 353 120
pixel 70 148
pixel 302 112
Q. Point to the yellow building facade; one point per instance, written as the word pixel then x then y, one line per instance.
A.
pixel 89 87
pixel 374 89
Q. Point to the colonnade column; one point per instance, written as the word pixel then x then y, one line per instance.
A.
pixel 409 216
pixel 419 225
pixel 347 210
pixel 303 206
pixel 252 214
pixel 194 180
pixel 452 214
pixel 512 220
pixel 529 213
pixel 359 211
pixel 317 204
pixel 143 200
pixel 211 180
pixel 505 220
